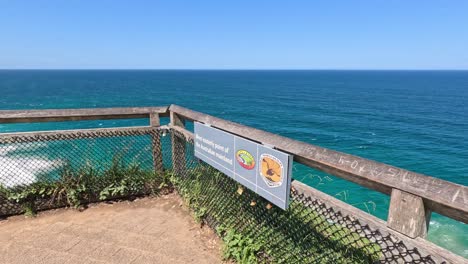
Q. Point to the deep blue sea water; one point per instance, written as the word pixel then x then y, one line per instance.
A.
pixel 417 120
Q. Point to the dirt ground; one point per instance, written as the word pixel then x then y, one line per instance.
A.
pixel 147 230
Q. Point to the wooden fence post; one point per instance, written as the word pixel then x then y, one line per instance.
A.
pixel 408 215
pixel 178 145
pixel 156 144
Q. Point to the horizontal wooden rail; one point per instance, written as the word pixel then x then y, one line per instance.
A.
pixel 441 196
pixel 59 115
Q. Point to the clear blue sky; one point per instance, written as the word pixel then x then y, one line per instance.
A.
pixel 222 34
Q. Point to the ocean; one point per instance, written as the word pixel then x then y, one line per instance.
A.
pixel 417 120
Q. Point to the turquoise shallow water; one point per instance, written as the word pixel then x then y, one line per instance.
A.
pixel 417 120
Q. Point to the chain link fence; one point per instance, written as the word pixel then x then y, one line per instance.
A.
pixel 46 170
pixel 310 231
pixel 72 168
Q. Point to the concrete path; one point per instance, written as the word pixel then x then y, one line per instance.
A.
pixel 149 230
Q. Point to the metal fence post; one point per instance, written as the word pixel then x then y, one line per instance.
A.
pixel 156 144
pixel 178 145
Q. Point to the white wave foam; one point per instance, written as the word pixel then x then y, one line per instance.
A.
pixel 20 171
pixel 4 150
pixel 23 170
pixel 7 149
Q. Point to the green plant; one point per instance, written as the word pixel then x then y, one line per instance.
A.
pixel 238 247
pixel 3 192
pixel 250 228
pixel 118 189
pixel 200 214
pixel 165 180
pixel 77 186
pixel 130 180
pixel 26 195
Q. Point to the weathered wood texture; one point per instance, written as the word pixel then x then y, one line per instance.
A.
pixel 440 196
pixel 58 115
pixel 154 120
pixel 408 215
pixel 156 144
pixel 440 255
pixel 177 120
pixel 178 145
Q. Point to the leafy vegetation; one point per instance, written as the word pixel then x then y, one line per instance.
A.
pixel 26 196
pixel 253 231
pixel 239 247
pixel 77 187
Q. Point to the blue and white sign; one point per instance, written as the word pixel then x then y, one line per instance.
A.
pixel 264 170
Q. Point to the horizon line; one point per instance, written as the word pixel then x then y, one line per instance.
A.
pixel 222 69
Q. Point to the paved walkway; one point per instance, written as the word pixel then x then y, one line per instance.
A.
pixel 149 230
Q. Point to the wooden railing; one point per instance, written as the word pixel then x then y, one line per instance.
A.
pixel 63 115
pixel 413 196
pixel 58 115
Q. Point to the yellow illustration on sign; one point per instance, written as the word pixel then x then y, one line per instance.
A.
pixel 271 170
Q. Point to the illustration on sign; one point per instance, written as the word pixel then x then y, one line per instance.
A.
pixel 271 170
pixel 262 169
pixel 245 159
